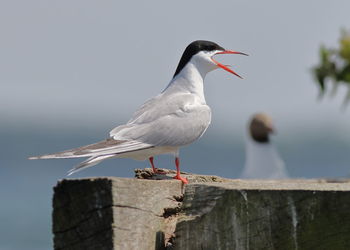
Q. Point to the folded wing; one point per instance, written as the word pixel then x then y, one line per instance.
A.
pixel 178 121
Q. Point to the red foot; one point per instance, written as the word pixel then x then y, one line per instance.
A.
pixel 178 176
pixel 183 179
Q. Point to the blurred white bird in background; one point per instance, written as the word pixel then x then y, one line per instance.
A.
pixel 262 158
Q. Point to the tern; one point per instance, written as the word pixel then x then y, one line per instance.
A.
pixel 262 158
pixel 176 117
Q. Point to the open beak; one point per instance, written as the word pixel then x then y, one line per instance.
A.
pixel 225 67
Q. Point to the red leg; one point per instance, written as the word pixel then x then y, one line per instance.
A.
pixel 153 168
pixel 152 164
pixel 177 176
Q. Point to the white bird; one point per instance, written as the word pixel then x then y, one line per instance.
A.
pixel 262 158
pixel 176 117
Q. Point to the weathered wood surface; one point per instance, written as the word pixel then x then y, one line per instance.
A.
pixel 224 217
pixel 112 213
pixel 215 213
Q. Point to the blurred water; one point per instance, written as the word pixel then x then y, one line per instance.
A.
pixel 26 186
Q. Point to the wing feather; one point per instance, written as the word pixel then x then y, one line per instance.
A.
pixel 109 146
pixel 92 161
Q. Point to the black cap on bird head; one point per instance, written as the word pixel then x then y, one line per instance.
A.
pixel 202 45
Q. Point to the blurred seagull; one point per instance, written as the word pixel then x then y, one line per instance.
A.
pixel 176 117
pixel 262 159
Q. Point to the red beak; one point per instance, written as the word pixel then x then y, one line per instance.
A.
pixel 224 66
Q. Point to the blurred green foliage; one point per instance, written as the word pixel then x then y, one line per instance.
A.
pixel 334 66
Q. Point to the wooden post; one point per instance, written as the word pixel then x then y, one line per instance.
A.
pixel 112 213
pixel 214 213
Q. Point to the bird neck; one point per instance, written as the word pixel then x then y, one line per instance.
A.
pixel 251 141
pixel 189 79
pixel 256 150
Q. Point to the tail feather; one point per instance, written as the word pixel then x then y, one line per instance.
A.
pixel 106 147
pixel 92 161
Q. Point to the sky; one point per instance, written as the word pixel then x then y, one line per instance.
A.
pixel 93 63
pixel 72 70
